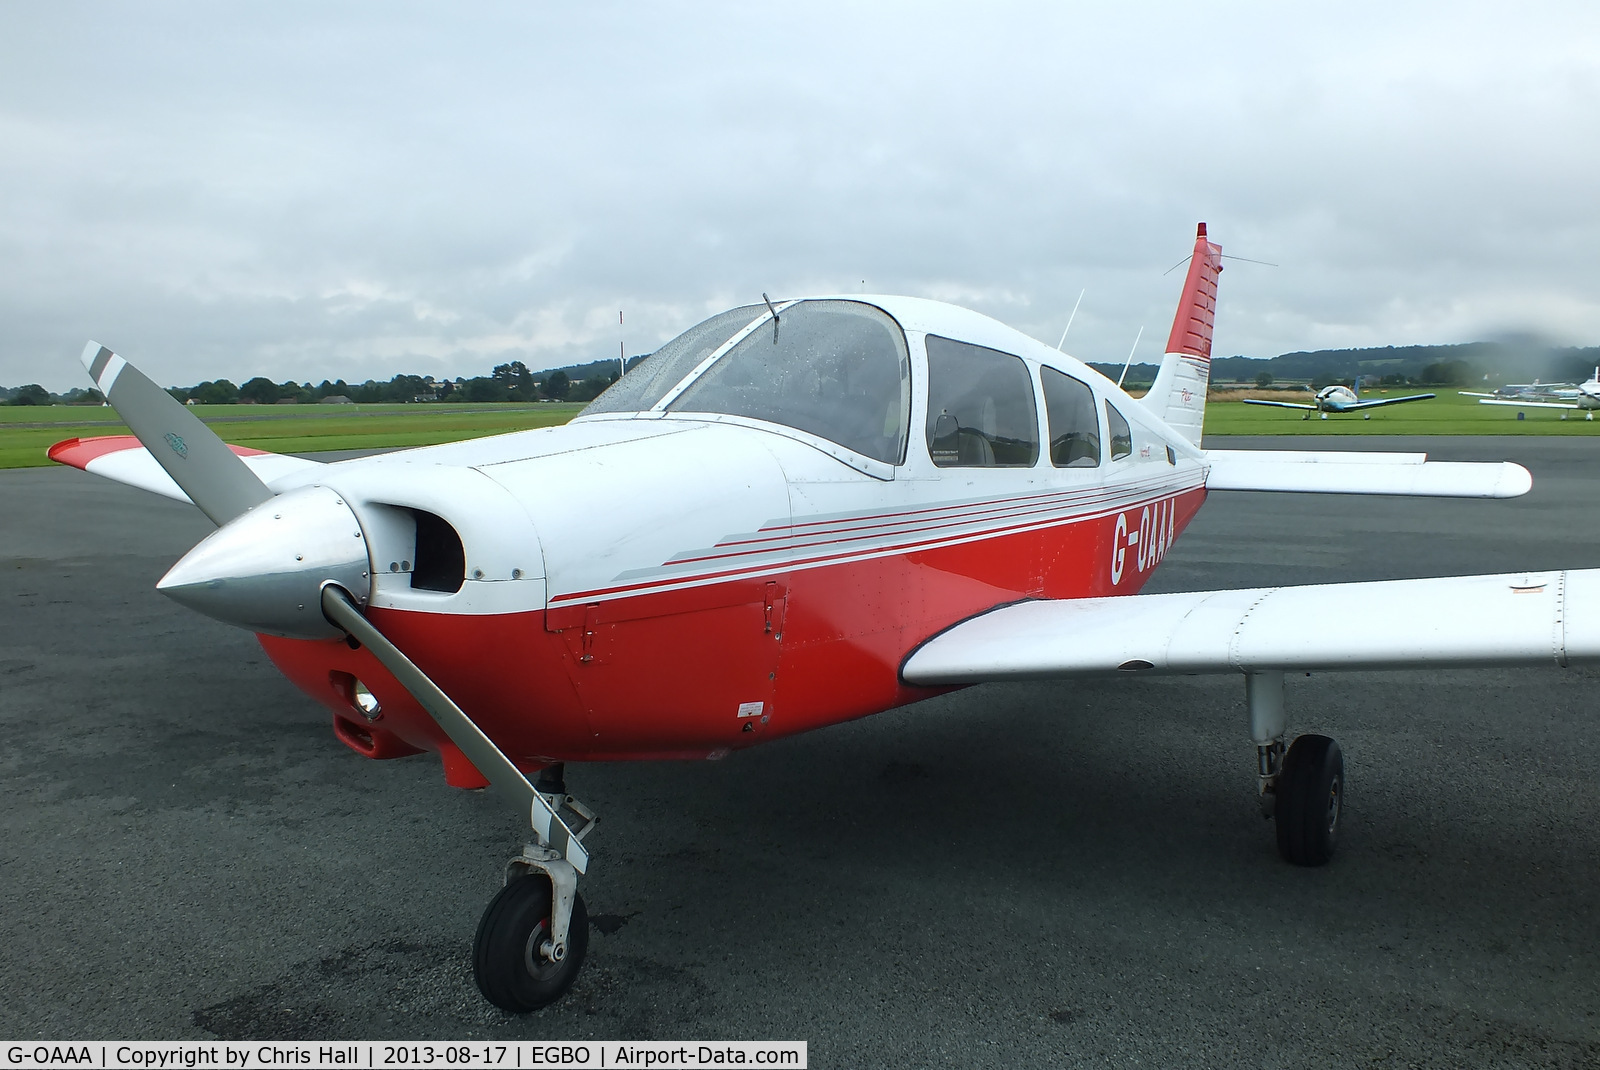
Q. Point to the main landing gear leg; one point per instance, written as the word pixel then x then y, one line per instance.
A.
pixel 533 936
pixel 1302 788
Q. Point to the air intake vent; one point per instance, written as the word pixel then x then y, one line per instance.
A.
pixel 440 563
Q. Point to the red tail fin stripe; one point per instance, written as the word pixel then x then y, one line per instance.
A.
pixel 1197 307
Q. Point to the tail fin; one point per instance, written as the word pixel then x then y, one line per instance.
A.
pixel 1178 396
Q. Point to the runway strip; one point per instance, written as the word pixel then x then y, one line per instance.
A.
pixel 1022 875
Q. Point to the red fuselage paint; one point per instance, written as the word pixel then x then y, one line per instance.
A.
pixel 697 671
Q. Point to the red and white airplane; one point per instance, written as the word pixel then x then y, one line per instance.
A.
pixel 792 515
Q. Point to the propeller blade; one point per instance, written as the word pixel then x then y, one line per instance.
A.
pixel 209 472
pixel 489 759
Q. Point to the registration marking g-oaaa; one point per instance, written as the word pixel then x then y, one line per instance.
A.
pixel 1149 541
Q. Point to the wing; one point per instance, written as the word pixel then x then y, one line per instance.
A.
pixel 1350 472
pixel 1529 404
pixel 1387 401
pixel 1517 619
pixel 1279 404
pixel 122 459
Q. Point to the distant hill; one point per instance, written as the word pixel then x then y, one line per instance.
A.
pixel 604 369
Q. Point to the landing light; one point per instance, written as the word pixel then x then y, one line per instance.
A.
pixel 365 701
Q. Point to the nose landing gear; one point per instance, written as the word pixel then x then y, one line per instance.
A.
pixel 533 935
pixel 1302 789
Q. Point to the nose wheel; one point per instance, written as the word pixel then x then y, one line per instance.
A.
pixel 533 935
pixel 517 963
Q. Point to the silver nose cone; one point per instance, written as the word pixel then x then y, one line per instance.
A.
pixel 264 570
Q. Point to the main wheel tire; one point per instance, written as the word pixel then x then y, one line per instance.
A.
pixel 1310 792
pixel 506 962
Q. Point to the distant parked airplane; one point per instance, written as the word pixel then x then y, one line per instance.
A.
pixel 1337 398
pixel 1535 389
pixel 1583 396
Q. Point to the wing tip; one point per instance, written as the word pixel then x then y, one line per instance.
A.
pixel 78 452
pixel 1515 480
pixel 62 450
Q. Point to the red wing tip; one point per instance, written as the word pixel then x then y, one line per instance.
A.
pixel 78 452
pixel 59 451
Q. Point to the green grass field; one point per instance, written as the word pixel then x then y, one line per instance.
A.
pixel 1447 414
pixel 26 432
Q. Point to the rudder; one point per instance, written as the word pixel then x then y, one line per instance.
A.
pixel 1178 396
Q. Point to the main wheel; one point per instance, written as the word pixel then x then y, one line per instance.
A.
pixel 1310 792
pixel 506 961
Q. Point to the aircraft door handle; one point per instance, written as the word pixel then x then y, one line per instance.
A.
pixel 772 609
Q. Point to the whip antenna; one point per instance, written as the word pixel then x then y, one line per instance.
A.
pixel 1070 318
pixel 1129 364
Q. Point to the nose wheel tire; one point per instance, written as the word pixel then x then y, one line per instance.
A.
pixel 509 959
pixel 1310 798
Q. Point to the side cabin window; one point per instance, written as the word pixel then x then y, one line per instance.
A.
pixel 835 369
pixel 1121 433
pixel 981 412
pixel 1074 425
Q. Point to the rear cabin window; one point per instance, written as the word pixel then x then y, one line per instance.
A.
pixel 835 369
pixel 1121 433
pixel 648 381
pixel 1074 425
pixel 981 412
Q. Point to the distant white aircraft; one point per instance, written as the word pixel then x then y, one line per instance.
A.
pixel 1337 398
pixel 1583 396
pixel 1535 389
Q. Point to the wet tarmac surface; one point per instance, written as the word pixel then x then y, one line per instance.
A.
pixel 1032 874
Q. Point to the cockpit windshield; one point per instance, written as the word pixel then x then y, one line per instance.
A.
pixel 647 382
pixel 835 369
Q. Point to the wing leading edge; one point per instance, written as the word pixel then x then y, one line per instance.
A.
pixel 1280 404
pixel 122 459
pixel 1542 618
pixel 1529 404
pixel 1348 472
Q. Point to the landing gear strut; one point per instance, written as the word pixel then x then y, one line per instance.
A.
pixel 1301 789
pixel 533 935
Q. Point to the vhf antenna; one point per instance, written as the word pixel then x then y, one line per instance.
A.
pixel 1070 318
pixel 1129 364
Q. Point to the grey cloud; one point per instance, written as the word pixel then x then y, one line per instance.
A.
pixel 298 191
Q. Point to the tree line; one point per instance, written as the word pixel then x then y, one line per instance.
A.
pixel 1438 366
pixel 506 382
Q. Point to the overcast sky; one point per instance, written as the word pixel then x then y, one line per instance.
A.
pixel 359 190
